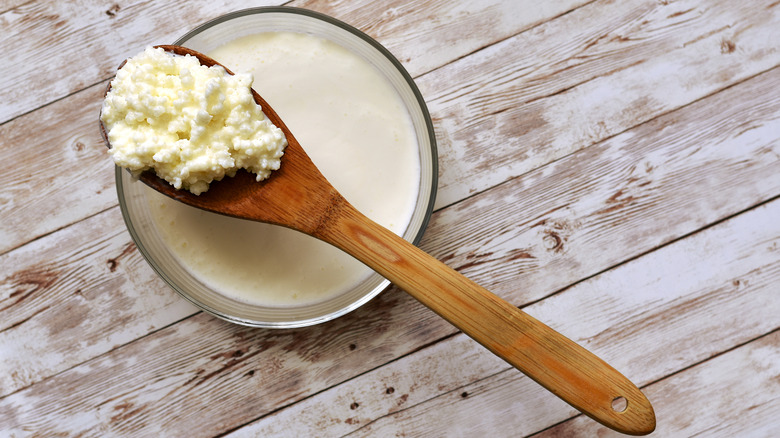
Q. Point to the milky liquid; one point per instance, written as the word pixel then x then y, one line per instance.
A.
pixel 357 131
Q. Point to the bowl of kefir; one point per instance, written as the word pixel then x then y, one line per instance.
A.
pixel 359 116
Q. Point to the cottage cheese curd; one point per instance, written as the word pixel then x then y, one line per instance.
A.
pixel 192 124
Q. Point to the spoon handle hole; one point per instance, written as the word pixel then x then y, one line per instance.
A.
pixel 619 404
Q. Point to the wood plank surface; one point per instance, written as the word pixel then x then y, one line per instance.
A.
pixel 54 315
pixel 612 166
pixel 478 395
pixel 40 35
pixel 556 89
pixel 727 124
pixel 83 184
pixel 734 394
pixel 624 196
pixel 508 240
pixel 742 255
pixel 425 35
pixel 474 97
pixel 80 151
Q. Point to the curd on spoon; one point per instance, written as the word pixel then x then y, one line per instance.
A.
pixel 190 123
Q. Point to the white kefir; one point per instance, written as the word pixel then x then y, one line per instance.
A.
pixel 357 131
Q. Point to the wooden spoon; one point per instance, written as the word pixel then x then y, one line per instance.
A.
pixel 298 196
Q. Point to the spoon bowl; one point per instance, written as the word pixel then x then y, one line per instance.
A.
pixel 298 196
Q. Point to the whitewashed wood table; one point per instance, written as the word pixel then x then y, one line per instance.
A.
pixel 612 167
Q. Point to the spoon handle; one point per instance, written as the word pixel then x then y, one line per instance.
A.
pixel 560 365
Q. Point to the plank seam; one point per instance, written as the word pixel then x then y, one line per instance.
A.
pixel 56 230
pixel 101 355
pixel 73 93
pixel 508 37
pixel 280 408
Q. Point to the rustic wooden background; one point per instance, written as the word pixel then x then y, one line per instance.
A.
pixel 611 166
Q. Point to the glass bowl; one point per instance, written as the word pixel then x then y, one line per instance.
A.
pixel 133 194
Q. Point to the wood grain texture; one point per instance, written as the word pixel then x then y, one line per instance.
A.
pixel 135 389
pixel 734 394
pixel 402 326
pixel 298 196
pixel 81 157
pixel 459 99
pixel 425 34
pixel 40 35
pixel 583 78
pixel 560 365
pixel 621 310
pixel 489 253
pixel 624 196
pixel 48 320
pixel 615 313
pixel 575 147
pixel 66 139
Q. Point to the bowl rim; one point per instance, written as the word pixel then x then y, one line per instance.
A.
pixel 434 167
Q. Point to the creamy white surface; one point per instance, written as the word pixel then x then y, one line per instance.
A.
pixel 192 124
pixel 356 130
